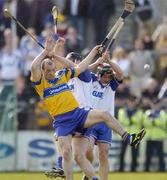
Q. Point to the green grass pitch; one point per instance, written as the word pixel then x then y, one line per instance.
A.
pixel 78 176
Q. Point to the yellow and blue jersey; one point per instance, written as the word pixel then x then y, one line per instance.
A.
pixel 56 93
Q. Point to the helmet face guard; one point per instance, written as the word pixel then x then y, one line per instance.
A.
pixel 105 69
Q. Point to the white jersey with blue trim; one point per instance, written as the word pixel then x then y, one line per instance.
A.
pixel 103 97
pixel 81 88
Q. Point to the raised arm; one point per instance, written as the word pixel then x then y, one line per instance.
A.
pixel 93 66
pixel 36 64
pixel 82 66
pixel 114 66
pixel 66 62
pixel 59 46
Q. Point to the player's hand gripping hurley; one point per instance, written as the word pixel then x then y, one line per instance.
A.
pixel 111 36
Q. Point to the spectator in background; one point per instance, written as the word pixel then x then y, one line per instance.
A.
pixel 74 42
pixel 10 62
pixel 131 117
pixel 76 12
pixel 39 12
pixel 144 14
pixel 24 15
pixel 2 25
pixel 160 29
pixel 4 22
pixel 138 75
pixel 10 69
pixel 150 93
pixel 155 121
pixel 119 56
pixel 100 11
pixel 147 40
pixel 30 49
pixel 161 45
pixel 151 90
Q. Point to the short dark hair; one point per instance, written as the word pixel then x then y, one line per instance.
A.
pixel 74 56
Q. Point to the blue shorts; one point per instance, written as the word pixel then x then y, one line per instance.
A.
pixel 100 132
pixel 70 122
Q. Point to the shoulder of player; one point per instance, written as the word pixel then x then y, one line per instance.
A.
pixel 85 76
pixel 94 77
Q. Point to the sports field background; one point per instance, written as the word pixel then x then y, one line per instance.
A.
pixel 78 176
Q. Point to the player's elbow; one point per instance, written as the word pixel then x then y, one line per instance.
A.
pixel 33 66
pixel 66 153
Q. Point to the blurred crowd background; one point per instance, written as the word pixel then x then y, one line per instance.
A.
pixel 141 100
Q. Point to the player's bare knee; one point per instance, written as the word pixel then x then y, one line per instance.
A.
pixel 89 151
pixel 66 153
pixel 105 115
pixel 78 157
pixel 89 155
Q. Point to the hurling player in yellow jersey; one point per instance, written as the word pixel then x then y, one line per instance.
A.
pixel 51 85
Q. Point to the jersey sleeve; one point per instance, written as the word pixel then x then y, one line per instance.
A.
pixel 71 73
pixel 114 83
pixel 93 76
pixel 38 85
pixel 85 76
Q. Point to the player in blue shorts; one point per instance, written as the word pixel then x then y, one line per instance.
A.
pixel 105 83
pixel 81 88
pixel 51 85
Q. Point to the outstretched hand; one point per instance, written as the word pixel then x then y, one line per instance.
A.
pixel 59 44
pixel 49 45
pixel 96 49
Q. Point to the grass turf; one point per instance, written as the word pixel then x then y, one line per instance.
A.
pixel 78 176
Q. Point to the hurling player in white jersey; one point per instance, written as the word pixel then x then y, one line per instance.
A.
pixel 81 86
pixel 105 83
